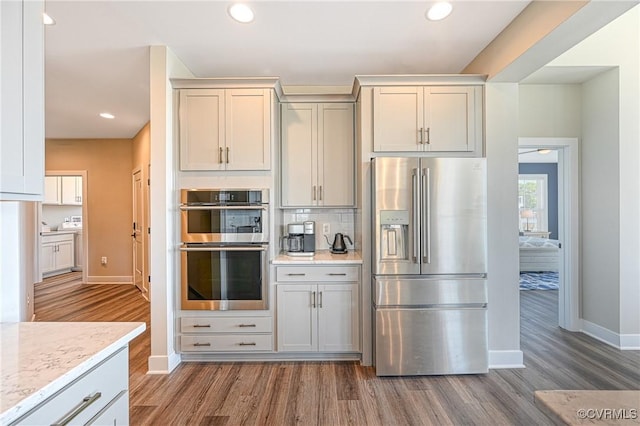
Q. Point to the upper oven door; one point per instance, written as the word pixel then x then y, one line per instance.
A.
pixel 225 224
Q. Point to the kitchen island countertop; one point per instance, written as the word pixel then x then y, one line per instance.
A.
pixel 38 359
pixel 321 257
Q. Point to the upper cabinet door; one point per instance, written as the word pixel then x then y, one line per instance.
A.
pixel 72 190
pixel 52 190
pixel 248 129
pixel 21 100
pixel 398 118
pixel 299 154
pixel 335 155
pixel 202 129
pixel 450 118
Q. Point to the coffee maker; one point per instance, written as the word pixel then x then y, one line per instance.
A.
pixel 301 239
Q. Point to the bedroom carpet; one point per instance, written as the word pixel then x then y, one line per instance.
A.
pixel 538 280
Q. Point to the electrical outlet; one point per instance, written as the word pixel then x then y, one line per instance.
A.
pixel 326 228
pixel 103 260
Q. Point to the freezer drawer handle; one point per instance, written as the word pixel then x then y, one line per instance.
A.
pixel 86 402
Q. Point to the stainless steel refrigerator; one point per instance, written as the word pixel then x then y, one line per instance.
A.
pixel 429 266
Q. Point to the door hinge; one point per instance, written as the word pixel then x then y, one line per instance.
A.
pixel 149 279
pixel 559 245
pixel 149 231
pixel 149 182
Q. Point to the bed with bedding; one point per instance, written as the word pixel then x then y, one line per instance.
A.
pixel 538 254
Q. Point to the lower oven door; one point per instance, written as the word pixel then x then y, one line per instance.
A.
pixel 224 277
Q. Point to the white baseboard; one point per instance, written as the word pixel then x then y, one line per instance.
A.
pixel 163 364
pixel 611 338
pixel 113 279
pixel 506 359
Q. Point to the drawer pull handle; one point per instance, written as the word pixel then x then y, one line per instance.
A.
pixel 297 275
pixel 246 325
pixel 342 274
pixel 247 344
pixel 202 344
pixel 86 402
pixel 202 326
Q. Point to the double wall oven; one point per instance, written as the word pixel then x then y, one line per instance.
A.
pixel 224 251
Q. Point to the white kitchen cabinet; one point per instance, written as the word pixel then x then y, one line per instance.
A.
pixel 98 395
pixel 225 129
pixel 226 334
pixel 21 100
pixel 52 190
pixel 316 316
pixel 57 253
pixel 427 118
pixel 63 190
pixel 317 155
pixel 71 190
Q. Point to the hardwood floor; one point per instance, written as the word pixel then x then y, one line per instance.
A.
pixel 336 393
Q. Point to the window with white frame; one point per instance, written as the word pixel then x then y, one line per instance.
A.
pixel 533 203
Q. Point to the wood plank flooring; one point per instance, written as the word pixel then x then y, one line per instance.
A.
pixel 337 393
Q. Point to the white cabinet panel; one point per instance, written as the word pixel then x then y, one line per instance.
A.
pixel 338 313
pixel 427 119
pixel 71 190
pixel 297 318
pixel 57 253
pixel 202 129
pixel 225 129
pixel 317 155
pixel 52 190
pixel 320 312
pixel 21 100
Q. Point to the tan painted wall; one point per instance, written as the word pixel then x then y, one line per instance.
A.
pixel 141 159
pixel 108 163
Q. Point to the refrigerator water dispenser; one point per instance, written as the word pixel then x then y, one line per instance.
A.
pixel 394 227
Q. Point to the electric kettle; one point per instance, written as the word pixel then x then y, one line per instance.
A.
pixel 339 245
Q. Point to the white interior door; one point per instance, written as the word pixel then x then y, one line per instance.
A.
pixel 138 234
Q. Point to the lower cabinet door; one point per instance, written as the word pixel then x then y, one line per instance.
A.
pixel 338 314
pixel 297 318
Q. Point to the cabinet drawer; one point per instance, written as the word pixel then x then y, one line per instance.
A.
pixel 317 273
pixel 226 325
pixel 227 343
pixel 107 379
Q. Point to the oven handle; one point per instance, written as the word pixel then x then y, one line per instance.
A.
pixel 225 248
pixel 223 208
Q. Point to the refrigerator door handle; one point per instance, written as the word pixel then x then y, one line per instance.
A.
pixel 426 208
pixel 416 217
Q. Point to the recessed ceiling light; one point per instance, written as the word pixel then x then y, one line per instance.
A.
pixel 47 20
pixel 241 13
pixel 439 11
pixel 107 115
pixel 543 151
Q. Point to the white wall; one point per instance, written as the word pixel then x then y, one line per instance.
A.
pixel 163 210
pixel 618 44
pixel 601 203
pixel 550 110
pixel 501 129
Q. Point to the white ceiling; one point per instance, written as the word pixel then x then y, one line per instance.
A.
pixel 97 56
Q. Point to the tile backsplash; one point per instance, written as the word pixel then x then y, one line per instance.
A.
pixel 339 220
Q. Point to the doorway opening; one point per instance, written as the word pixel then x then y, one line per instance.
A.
pixel 536 216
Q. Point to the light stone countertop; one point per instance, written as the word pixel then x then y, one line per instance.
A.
pixel 586 407
pixel 321 257
pixel 37 359
pixel 61 232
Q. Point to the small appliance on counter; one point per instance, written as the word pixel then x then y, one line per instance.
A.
pixel 339 246
pixel 74 223
pixel 301 239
